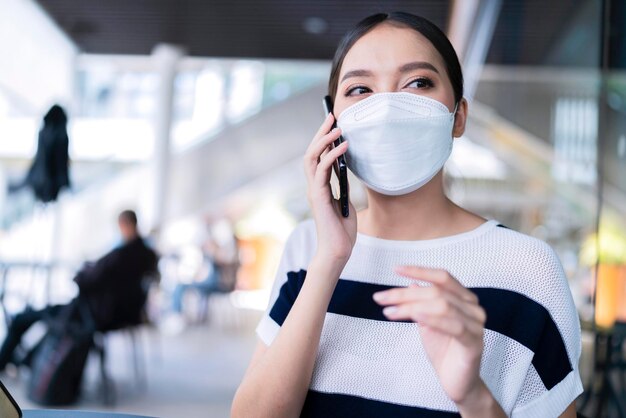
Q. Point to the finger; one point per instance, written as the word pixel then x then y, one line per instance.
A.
pixel 415 293
pixel 399 295
pixel 325 126
pixel 315 149
pixel 322 174
pixel 475 312
pixel 323 154
pixel 416 311
pixel 447 305
pixel 469 310
pixel 433 313
pixel 438 277
pixel 464 331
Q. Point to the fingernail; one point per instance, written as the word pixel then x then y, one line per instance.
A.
pixel 390 310
pixel 380 296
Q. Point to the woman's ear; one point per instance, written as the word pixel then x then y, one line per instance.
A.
pixel 460 118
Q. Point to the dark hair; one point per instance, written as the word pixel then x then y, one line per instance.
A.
pixel 129 217
pixel 419 24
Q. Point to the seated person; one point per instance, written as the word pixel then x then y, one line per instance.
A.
pixel 222 262
pixel 112 288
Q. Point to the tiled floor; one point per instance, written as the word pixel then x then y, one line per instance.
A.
pixel 191 374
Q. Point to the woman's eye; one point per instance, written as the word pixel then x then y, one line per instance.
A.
pixel 355 91
pixel 421 83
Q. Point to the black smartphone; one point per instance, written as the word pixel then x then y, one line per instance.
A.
pixel 8 407
pixel 341 169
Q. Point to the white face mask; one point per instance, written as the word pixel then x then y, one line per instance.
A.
pixel 397 141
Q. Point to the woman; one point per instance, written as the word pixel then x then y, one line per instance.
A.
pixel 413 306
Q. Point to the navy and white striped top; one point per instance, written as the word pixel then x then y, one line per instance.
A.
pixel 368 366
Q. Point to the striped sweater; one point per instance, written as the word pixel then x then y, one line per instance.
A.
pixel 369 366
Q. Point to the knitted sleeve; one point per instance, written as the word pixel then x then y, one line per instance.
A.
pixel 552 380
pixel 289 278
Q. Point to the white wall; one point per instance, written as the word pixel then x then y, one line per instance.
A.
pixel 28 39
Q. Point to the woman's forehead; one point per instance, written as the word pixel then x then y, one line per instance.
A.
pixel 386 48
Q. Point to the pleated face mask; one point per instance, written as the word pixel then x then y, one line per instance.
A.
pixel 398 141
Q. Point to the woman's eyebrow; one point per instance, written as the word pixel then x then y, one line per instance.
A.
pixel 417 65
pixel 411 66
pixel 356 73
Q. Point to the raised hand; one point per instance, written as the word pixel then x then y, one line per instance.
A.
pixel 451 326
pixel 336 235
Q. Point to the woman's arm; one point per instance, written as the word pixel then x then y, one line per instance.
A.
pixel 570 412
pixel 480 403
pixel 278 378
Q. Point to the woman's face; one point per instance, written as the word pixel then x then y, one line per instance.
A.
pixel 393 59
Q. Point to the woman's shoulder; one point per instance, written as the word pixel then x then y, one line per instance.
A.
pixel 521 247
pixel 524 264
pixel 302 241
pixel 303 231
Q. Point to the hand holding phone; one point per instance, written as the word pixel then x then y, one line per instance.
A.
pixel 340 166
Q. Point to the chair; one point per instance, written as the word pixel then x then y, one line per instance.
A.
pixel 132 331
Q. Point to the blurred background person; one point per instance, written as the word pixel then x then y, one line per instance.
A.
pixel 217 273
pixel 112 288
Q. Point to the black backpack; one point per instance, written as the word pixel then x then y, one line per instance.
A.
pixel 58 360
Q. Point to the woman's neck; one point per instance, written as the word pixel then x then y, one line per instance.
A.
pixel 424 214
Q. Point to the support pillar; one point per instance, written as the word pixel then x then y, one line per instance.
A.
pixel 166 58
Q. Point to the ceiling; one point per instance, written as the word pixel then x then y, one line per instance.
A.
pixel 299 29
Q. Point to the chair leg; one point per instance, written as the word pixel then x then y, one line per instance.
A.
pixel 155 353
pixel 138 361
pixel 106 383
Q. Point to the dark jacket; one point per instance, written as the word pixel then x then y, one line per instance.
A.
pixel 113 287
pixel 49 171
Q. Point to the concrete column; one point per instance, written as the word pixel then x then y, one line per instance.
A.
pixel 166 58
pixel 460 24
pixel 476 53
pixel 471 27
